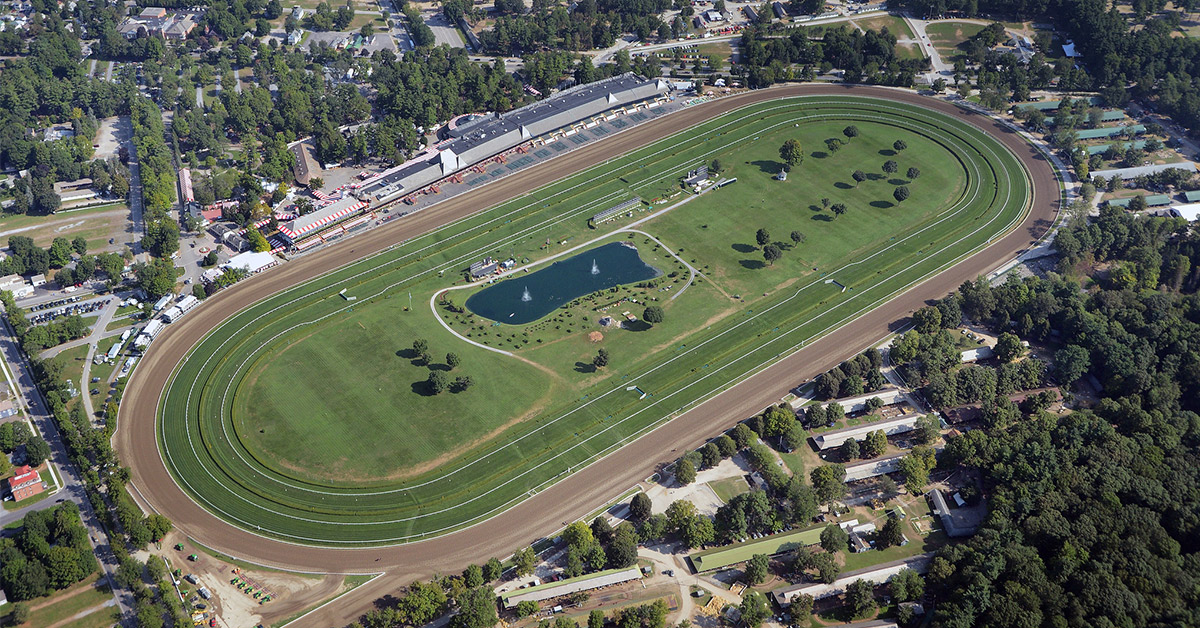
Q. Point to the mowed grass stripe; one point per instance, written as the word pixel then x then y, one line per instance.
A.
pixel 416 502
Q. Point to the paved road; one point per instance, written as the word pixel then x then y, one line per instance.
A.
pixel 30 398
pixel 941 69
pixel 582 492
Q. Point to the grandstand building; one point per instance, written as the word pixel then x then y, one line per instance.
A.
pixel 472 140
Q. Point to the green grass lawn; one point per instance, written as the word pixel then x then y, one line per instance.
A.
pixel 61 605
pixel 321 392
pixel 72 360
pixel 894 23
pixel 948 36
pixel 729 488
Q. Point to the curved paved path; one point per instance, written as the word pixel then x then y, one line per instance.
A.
pixel 585 490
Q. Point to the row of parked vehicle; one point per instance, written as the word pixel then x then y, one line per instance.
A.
pixel 77 308
pixel 53 304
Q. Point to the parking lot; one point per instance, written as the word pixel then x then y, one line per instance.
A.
pixel 65 307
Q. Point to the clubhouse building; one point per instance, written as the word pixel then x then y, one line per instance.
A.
pixel 473 141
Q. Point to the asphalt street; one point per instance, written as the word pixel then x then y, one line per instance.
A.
pixel 590 487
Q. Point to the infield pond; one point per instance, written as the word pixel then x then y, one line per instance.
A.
pixel 526 298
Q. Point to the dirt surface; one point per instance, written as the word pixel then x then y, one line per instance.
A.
pixel 582 492
pixel 292 593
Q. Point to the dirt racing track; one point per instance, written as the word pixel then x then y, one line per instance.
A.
pixel 589 488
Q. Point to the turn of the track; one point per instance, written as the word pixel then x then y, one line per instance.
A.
pixel 585 490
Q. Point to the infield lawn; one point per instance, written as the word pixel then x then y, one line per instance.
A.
pixel 360 373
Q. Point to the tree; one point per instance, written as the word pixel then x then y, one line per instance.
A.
pixel 850 131
pixel 754 609
pixel 928 429
pixel 473 576
pixel 756 569
pixel 63 567
pixel 578 535
pixel 1070 364
pixel 763 237
pixel 525 608
pixel 420 346
pixel 834 539
pixel 461 383
pixel 791 153
pixel 890 166
pixel 849 450
pixel 874 445
pixel 37 451
pixel 833 145
pixel 258 242
pixel 712 455
pixel 476 609
pixel 639 508
pixel 596 619
pixel 827 482
pixel 492 569
pixel 621 552
pixel 798 237
pixel 316 183
pixel 839 209
pixel 60 252
pixel 860 598
pixel 891 535
pixel 1008 347
pixel 907 586
pixel 913 173
pixel 452 360
pixel 859 176
pixel 900 193
pixel 437 382
pixel 726 445
pixel 19 614
pixel 601 359
pixel 685 472
pixel 772 253
pixel 715 167
pixel 899 145
pixel 653 314
pixel 916 467
pixel 742 435
pixel 524 561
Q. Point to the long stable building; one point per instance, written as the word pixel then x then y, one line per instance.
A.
pixel 478 139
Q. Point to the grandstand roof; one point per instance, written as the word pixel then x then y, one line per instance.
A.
pixel 310 222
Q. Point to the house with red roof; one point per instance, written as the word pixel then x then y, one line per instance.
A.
pixel 25 484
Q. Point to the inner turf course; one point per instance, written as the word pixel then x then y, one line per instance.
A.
pixel 216 470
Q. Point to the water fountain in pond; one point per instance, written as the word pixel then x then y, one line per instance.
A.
pixel 595 268
pixel 525 296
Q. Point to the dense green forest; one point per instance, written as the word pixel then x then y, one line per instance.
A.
pixel 1095 514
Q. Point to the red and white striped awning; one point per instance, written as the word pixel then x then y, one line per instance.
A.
pixel 321 195
pixel 292 232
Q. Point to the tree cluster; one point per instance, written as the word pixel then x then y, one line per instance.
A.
pixel 50 551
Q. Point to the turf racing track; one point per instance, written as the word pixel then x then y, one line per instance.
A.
pixel 501 526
